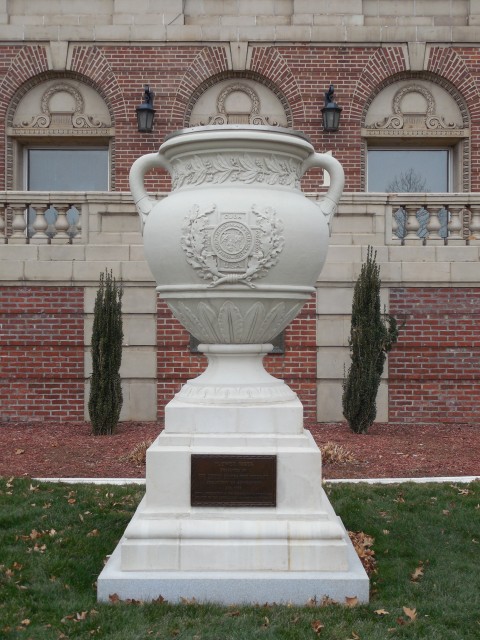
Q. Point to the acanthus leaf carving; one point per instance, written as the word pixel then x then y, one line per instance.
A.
pixel 217 169
pixel 234 323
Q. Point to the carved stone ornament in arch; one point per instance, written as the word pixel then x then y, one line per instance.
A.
pixel 61 108
pixel 414 113
pixel 239 102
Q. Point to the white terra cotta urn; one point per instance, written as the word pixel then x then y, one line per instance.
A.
pixel 236 250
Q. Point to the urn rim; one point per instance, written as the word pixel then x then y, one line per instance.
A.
pixel 238 127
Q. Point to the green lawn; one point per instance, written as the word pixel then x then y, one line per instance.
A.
pixel 53 539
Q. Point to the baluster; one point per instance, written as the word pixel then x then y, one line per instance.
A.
pixel 3 225
pixel 40 225
pixel 433 226
pixel 412 225
pixel 395 238
pixel 455 226
pixel 19 225
pixel 61 225
pixel 475 225
pixel 77 238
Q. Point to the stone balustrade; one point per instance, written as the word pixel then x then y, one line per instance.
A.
pixel 447 219
pixel 109 218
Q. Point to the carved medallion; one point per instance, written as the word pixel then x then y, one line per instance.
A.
pixel 234 246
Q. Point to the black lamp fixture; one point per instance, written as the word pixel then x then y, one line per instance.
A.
pixel 331 112
pixel 145 111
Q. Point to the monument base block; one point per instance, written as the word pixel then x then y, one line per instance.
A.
pixel 291 551
pixel 234 587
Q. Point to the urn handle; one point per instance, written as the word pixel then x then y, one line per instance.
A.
pixel 143 202
pixel 328 203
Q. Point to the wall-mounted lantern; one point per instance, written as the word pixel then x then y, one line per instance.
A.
pixel 331 112
pixel 145 111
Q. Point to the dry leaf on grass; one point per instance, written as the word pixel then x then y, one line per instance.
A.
pixel 362 544
pixel 351 601
pixel 317 626
pixel 381 612
pixel 410 613
pixel 417 574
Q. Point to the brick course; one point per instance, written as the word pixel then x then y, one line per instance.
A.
pixel 41 353
pixel 434 370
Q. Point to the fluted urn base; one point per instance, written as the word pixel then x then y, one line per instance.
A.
pixel 234 510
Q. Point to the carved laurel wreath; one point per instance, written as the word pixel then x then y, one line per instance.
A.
pixel 197 245
pixel 218 169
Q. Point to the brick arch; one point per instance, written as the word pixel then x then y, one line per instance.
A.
pixel 210 61
pixel 447 64
pixel 384 63
pixel 52 75
pixel 29 62
pixel 30 68
pixel 269 63
pixel 213 80
pixel 440 81
pixel 91 64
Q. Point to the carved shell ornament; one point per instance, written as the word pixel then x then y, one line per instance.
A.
pixel 399 119
pixel 232 247
pixel 76 119
pixel 253 117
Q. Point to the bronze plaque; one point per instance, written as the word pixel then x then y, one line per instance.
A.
pixel 233 481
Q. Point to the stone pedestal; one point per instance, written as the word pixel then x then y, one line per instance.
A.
pixel 285 546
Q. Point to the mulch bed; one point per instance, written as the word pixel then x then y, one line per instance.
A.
pixel 61 450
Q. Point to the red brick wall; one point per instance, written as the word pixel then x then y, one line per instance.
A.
pixel 41 353
pixel 175 72
pixel 434 370
pixel 297 366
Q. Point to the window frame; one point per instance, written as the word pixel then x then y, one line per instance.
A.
pixel 452 160
pixel 25 146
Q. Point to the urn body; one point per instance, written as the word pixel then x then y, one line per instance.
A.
pixel 236 247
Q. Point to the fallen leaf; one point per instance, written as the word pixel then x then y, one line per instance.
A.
pixel 82 616
pixel 159 600
pixel 351 601
pixel 381 612
pixel 18 452
pixel 312 602
pixel 25 622
pixel 445 512
pixel 317 626
pixel 355 636
pixel 93 533
pixel 362 544
pixel 417 574
pixel 410 613
pixel 401 621
pixel 266 623
pixel 114 597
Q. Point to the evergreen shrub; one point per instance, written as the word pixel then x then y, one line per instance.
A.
pixel 372 336
pixel 105 401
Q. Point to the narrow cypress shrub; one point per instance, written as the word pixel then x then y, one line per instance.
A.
pixel 372 335
pixel 105 401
